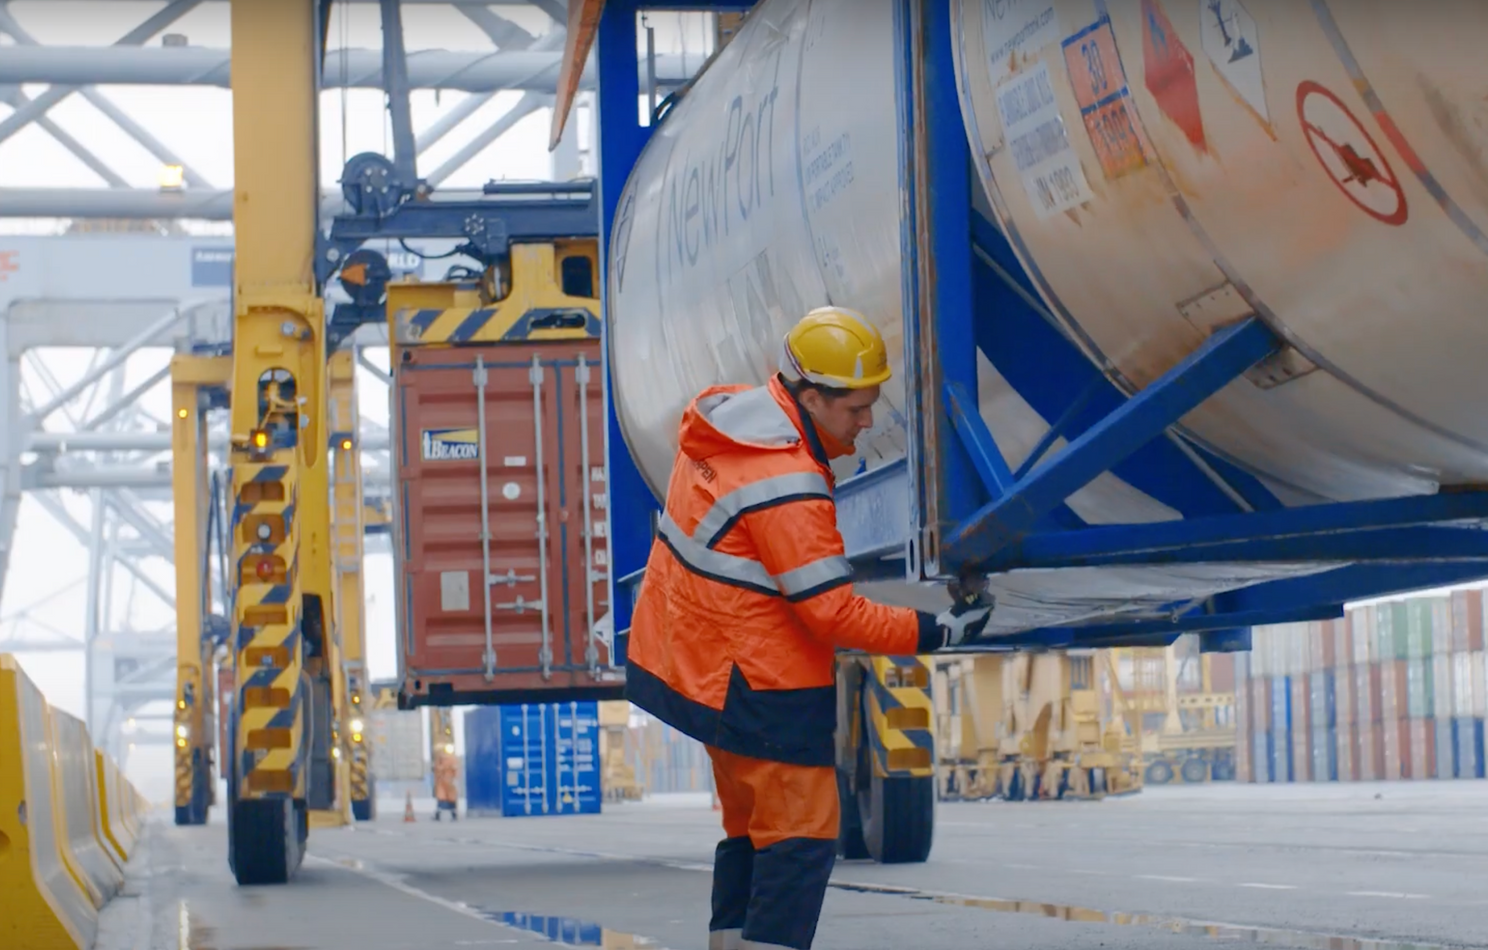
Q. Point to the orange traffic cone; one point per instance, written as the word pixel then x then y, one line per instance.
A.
pixel 408 808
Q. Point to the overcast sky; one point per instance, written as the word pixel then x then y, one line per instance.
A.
pixel 46 579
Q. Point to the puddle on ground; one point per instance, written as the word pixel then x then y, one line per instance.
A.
pixel 1233 933
pixel 572 932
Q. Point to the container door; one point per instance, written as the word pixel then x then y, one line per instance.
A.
pixel 503 493
pixel 526 757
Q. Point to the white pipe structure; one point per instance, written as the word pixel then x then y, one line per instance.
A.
pixel 61 442
pixel 521 70
pixel 210 204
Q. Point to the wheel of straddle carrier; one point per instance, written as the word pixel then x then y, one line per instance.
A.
pixel 1223 769
pixel 362 809
pixel 1194 770
pixel 264 842
pixel 194 812
pixel 262 838
pixel 1159 772
pixel 897 815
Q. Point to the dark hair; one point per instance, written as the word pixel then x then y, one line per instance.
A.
pixel 798 386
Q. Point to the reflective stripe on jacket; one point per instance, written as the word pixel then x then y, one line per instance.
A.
pixel 747 592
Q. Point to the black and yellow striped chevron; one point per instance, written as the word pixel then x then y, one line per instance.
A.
pixel 494 324
pixel 359 788
pixel 901 716
pixel 270 694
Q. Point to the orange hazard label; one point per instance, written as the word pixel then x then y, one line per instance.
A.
pixel 1099 83
pixel 10 263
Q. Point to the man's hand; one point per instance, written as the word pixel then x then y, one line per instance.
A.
pixel 966 619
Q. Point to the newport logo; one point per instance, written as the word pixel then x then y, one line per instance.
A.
pixel 451 445
pixel 9 264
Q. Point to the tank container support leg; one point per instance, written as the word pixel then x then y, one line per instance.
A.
pixel 631 504
pixel 1222 358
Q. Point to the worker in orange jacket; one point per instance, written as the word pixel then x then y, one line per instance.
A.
pixel 446 796
pixel 747 596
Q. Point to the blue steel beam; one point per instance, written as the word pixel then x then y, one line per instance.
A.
pixel 1012 323
pixel 943 262
pixel 1006 520
pixel 977 441
pixel 1353 528
pixel 1379 545
pixel 1061 425
pixel 621 138
pixel 1356 582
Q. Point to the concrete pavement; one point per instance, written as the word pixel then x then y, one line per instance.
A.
pixel 1326 867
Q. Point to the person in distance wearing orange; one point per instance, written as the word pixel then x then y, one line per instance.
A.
pixel 746 598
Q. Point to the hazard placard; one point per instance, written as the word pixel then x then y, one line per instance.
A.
pixel 1349 155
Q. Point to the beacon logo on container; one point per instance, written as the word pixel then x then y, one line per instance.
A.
pixel 451 445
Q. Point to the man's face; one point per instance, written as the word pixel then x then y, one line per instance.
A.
pixel 844 418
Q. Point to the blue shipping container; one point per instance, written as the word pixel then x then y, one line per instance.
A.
pixel 533 759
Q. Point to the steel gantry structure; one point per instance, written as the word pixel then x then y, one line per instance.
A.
pixel 157 286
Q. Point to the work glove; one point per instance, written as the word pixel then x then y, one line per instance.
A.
pixel 965 620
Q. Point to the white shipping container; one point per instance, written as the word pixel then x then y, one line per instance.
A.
pixel 397 743
pixel 1343 698
pixel 1462 685
pixel 1441 626
pixel 1478 690
pixel 1316 631
pixel 1299 649
pixel 1362 622
pixel 1441 685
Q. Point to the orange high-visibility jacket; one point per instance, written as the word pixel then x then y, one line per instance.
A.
pixel 747 593
pixel 445 771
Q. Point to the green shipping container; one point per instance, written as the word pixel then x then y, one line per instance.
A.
pixel 1418 628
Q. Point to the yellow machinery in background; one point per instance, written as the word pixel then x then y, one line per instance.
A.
pixel 885 758
pixel 1186 727
pixel 441 732
pixel 617 776
pixel 348 523
pixel 197 384
pixel 283 732
pixel 1032 726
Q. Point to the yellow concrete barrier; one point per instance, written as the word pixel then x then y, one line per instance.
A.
pixel 42 906
pixel 115 834
pixel 77 803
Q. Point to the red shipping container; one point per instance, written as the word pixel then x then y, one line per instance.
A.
pixel 1407 755
pixel 1423 747
pixel 1222 672
pixel 540 425
pixel 1301 730
pixel 1347 755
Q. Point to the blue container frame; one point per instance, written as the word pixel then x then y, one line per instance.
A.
pixel 987 517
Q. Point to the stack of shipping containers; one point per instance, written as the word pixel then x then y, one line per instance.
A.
pixel 1393 690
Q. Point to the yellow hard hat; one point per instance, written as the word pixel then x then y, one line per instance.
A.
pixel 836 347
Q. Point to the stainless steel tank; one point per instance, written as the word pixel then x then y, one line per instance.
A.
pixel 1218 160
pixel 1162 167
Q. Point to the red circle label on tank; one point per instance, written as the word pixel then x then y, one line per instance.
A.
pixel 1348 154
